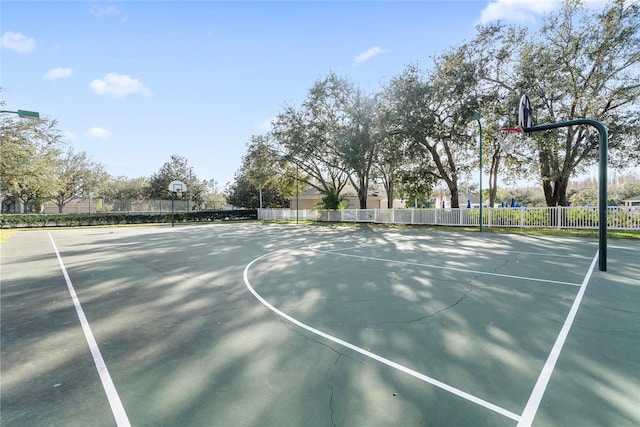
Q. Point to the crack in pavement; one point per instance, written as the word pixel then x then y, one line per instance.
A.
pixel 464 296
pixel 291 328
pixel 330 385
pixel 330 376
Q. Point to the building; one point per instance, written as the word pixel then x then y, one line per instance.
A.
pixel 633 201
pixel 311 197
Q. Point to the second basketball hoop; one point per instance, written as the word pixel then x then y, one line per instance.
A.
pixel 177 187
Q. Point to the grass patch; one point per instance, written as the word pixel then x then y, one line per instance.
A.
pixel 5 234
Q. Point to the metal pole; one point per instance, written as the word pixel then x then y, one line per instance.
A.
pixel 602 187
pixel 172 202
pixel 297 193
pixel 476 115
pixel 480 124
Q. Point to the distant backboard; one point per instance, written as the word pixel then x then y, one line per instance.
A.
pixel 525 114
pixel 177 186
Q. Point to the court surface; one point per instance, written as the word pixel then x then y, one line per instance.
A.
pixel 250 324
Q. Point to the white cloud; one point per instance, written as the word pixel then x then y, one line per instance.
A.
pixel 107 9
pixel 523 10
pixel 58 73
pixel 100 133
pixel 102 10
pixel 118 85
pixel 365 56
pixel 18 42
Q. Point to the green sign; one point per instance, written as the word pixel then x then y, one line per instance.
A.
pixel 24 114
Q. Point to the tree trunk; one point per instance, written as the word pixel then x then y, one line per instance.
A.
pixel 555 192
pixel 449 178
pixel 362 196
pixel 390 195
pixel 453 187
pixel 493 177
pixel 60 203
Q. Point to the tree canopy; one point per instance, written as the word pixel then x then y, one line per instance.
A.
pixel 414 133
pixel 580 63
pixel 30 152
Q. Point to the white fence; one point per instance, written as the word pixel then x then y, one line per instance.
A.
pixel 618 217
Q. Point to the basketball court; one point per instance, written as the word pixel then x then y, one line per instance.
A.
pixel 277 324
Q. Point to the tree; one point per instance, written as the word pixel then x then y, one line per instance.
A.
pixel 176 169
pixel 400 164
pixel 212 197
pixel 332 200
pixel 416 176
pixel 29 154
pixel 259 163
pixel 78 176
pixel 494 52
pixel 583 64
pixel 123 188
pixel 357 143
pixel 432 112
pixel 257 182
pixel 309 135
pixel 242 193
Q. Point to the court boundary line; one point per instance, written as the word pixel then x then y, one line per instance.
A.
pixel 109 387
pixel 474 251
pixel 531 408
pixel 439 267
pixel 388 362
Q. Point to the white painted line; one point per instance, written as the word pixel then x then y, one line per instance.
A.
pixel 546 254
pixel 330 251
pixel 371 355
pixel 110 389
pixel 538 390
pixel 557 282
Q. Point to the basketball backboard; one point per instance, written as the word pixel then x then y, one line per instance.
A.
pixel 177 186
pixel 525 114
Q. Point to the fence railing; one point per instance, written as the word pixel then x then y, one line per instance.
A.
pixel 618 217
pixel 120 205
pixel 115 218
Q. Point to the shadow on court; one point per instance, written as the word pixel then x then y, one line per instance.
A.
pixel 186 343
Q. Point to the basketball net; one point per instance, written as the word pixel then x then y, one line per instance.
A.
pixel 178 193
pixel 507 137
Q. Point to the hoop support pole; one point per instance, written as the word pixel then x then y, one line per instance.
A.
pixel 602 186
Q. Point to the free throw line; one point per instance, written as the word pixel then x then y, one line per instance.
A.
pixel 110 389
pixel 371 355
pixel 439 267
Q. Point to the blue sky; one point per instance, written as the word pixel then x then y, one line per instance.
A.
pixel 133 82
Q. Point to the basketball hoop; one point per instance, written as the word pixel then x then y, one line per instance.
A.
pixel 507 137
pixel 177 187
pixel 510 131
